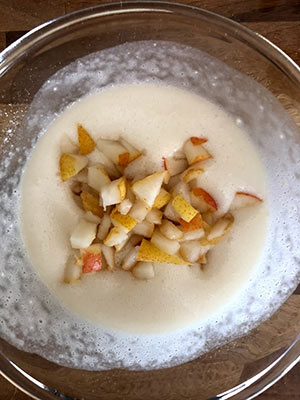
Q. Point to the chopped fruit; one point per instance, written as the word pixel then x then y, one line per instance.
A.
pixel 179 155
pixel 90 217
pixel 83 234
pixel 182 189
pixel 82 176
pixel 175 167
pixel 203 259
pixel 191 173
pixel 104 227
pixel 109 255
pixel 220 228
pixel 208 217
pixel 163 243
pixel 115 237
pixel 70 165
pixel 193 235
pixel 144 228
pixel 139 210
pixel 91 258
pixel 86 143
pixel 184 209
pixel 170 231
pixel 67 145
pixel 97 178
pixel 167 177
pixel 125 206
pixel 76 187
pixel 90 202
pixel 171 213
pixel 161 199
pixel 143 270
pixel 97 157
pixel 114 192
pixel 154 216
pixel 197 140
pixel 72 271
pixel 113 150
pixel 202 200
pixel 121 245
pixel 135 239
pixel 149 252
pixel 173 182
pixel 130 260
pixel 195 223
pixel 242 199
pixel 192 250
pixel 123 159
pixel 148 188
pixel 194 150
pixel 133 152
pixel 125 222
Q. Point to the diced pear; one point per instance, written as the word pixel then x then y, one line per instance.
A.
pixel 114 192
pixel 170 231
pixel 144 229
pixel 194 150
pixel 125 206
pixel 154 216
pixel 76 187
pixel 191 173
pixel 139 210
pixel 115 237
pixel 192 250
pixel 72 271
pixel 193 235
pixel 90 217
pixel 70 165
pixel 195 223
pixel 109 255
pixel 171 213
pixel 179 155
pixel 86 143
pixel 133 152
pixel 97 157
pixel 175 167
pixel 202 200
pixel 163 243
pixel 97 177
pixel 161 199
pixel 83 234
pixel 125 222
pixel 114 150
pixel 90 202
pixel 208 217
pixel 243 199
pixel 143 271
pixel 130 260
pixel 91 259
pixel 104 227
pixel 121 245
pixel 151 253
pixel 183 208
pixel 183 190
pixel 148 188
pixel 173 182
pixel 220 228
pixel 67 145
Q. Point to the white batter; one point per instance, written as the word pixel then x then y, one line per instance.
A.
pixel 158 119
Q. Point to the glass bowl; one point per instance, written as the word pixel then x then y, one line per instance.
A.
pixel 248 365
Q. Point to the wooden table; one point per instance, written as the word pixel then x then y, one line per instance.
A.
pixel 278 20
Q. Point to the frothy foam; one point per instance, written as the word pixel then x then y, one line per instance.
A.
pixel 33 320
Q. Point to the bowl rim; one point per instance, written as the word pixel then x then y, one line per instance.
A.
pixel 291 356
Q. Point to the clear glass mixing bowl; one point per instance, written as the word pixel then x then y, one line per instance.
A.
pixel 241 369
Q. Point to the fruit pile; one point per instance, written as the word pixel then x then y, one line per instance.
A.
pixel 133 222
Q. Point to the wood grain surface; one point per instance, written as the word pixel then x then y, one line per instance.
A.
pixel 278 20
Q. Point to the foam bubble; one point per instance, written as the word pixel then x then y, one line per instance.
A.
pixel 66 339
